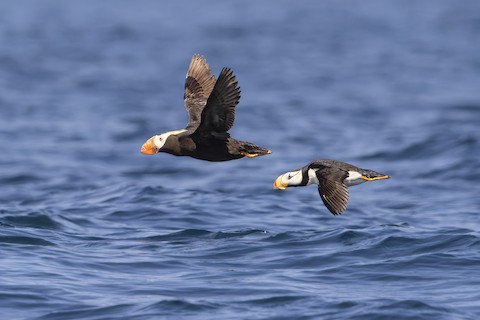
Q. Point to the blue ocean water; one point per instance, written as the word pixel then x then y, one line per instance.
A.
pixel 92 229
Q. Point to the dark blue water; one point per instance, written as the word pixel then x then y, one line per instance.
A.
pixel 92 229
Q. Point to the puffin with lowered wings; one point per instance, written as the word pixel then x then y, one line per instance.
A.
pixel 332 178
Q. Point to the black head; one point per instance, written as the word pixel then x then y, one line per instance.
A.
pixel 371 175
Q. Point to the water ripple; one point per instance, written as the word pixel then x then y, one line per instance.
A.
pixel 90 228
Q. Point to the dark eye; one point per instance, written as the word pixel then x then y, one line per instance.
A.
pixel 289 176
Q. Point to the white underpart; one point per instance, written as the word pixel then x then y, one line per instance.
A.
pixel 160 139
pixel 312 177
pixel 353 179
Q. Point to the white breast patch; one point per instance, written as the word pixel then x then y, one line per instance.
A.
pixel 312 177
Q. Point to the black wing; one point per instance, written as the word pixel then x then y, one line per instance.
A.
pixel 199 83
pixel 219 113
pixel 333 192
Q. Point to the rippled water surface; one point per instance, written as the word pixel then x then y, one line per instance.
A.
pixel 92 229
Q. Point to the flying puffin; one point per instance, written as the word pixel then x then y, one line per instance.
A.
pixel 332 177
pixel 210 106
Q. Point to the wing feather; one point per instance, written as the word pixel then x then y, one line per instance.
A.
pixel 218 115
pixel 199 83
pixel 332 190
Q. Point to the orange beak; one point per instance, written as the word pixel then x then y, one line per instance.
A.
pixel 148 147
pixel 277 184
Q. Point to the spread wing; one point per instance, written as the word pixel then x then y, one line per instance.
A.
pixel 333 192
pixel 219 113
pixel 199 83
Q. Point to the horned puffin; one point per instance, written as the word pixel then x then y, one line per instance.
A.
pixel 210 106
pixel 332 177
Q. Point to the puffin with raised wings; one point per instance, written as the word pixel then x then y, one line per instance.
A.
pixel 332 177
pixel 210 106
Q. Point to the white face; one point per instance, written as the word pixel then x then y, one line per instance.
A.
pixel 293 178
pixel 160 139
